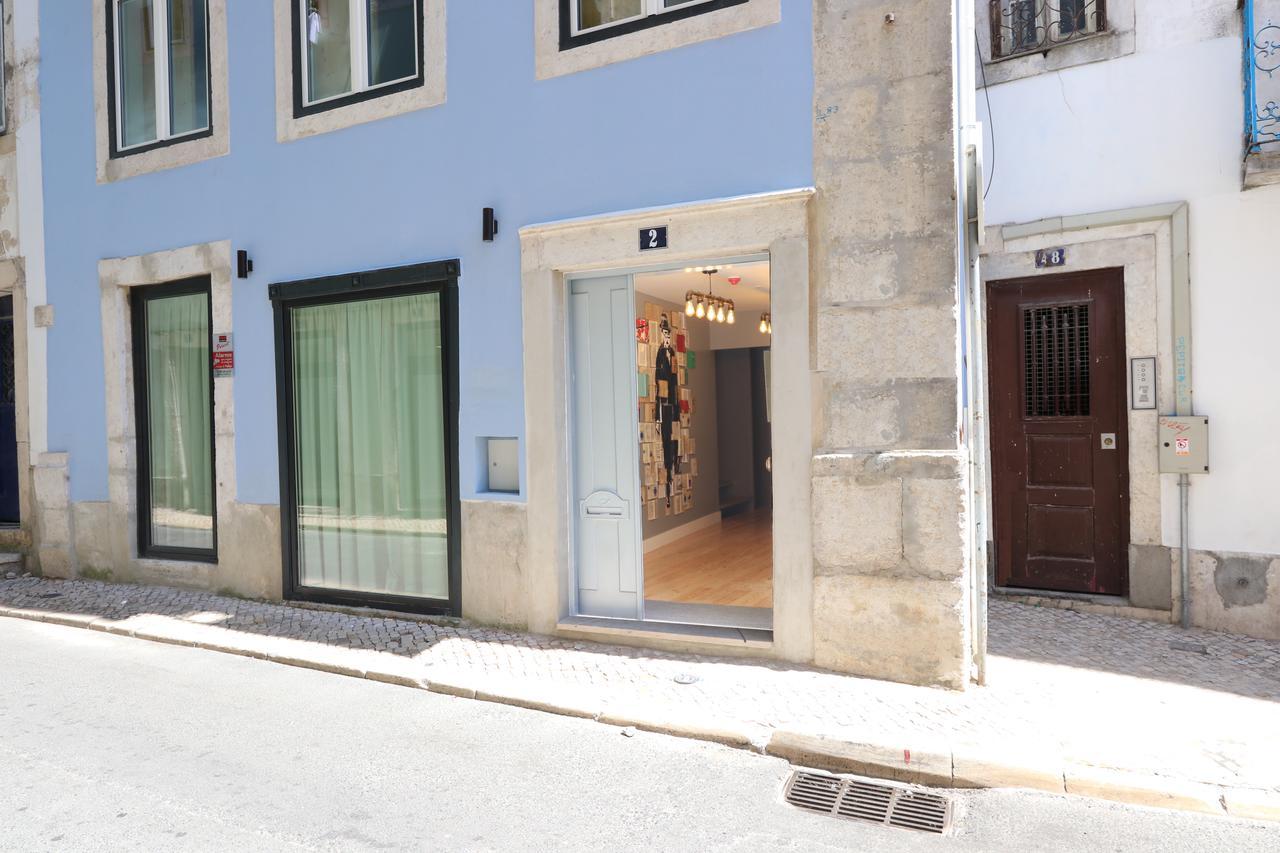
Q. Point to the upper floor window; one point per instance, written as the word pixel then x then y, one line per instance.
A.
pixel 1029 26
pixel 352 50
pixel 159 68
pixel 587 21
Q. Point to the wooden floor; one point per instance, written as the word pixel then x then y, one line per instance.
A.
pixel 730 563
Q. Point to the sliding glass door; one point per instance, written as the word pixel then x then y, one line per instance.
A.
pixel 368 445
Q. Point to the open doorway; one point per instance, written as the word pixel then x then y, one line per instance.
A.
pixel 675 522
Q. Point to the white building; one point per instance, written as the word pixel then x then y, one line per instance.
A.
pixel 1117 132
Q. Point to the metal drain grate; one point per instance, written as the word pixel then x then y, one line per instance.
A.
pixel 857 799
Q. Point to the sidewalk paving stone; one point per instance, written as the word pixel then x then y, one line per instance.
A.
pixel 1073 699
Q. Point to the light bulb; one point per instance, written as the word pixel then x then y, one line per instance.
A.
pixel 720 314
pixel 688 306
pixel 729 318
pixel 768 328
pixel 701 310
pixel 764 326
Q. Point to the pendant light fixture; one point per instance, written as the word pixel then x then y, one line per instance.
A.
pixel 766 325
pixel 707 305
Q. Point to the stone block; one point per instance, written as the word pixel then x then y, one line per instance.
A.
pixel 870 345
pixel 55 562
pixel 933 526
pixel 852 41
pixel 51 487
pixel 1151 570
pixel 902 271
pixel 856 525
pixel 896 629
pixel 907 195
pixel 494 583
pixel 918 414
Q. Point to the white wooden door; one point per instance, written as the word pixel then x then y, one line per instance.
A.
pixel 606 492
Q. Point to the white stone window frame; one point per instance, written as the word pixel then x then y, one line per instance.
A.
pixel 775 224
pixel 293 124
pixel 1150 244
pixel 180 151
pixel 1118 39
pixel 551 61
pixel 117 278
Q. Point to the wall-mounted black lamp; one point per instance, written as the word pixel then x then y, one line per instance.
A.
pixel 244 264
pixel 490 228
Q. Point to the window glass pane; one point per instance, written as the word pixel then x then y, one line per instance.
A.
pixel 137 108
pixel 188 66
pixel 180 419
pixel 392 38
pixel 594 13
pixel 327 38
pixel 369 433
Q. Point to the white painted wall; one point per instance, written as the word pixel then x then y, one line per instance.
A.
pixel 1165 124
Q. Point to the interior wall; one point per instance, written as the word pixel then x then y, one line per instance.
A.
pixel 733 407
pixel 702 424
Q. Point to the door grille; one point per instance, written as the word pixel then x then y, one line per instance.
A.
pixel 1055 361
pixel 869 802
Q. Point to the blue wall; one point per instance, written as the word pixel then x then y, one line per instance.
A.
pixel 722 118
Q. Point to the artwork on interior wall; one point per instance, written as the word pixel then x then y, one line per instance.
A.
pixel 667 463
pixel 691 359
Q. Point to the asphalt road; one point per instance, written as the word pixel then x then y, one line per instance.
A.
pixel 108 743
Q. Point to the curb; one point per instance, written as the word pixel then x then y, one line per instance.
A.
pixel 922 763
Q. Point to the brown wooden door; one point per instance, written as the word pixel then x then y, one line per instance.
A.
pixel 1059 432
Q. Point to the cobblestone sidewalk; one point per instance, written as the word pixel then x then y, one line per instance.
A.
pixel 1066 689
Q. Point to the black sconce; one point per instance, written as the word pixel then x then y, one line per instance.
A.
pixel 490 229
pixel 244 264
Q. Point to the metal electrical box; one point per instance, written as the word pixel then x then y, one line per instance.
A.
pixel 1184 445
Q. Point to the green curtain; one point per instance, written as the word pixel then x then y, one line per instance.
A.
pixel 180 421
pixel 369 432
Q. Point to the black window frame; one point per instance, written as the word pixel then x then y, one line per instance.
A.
pixel 436 277
pixel 138 298
pixel 568 40
pixel 300 106
pixel 114 151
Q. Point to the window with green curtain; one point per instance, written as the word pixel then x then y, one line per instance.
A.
pixel 369 446
pixel 179 420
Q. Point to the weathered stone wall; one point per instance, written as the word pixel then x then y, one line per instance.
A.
pixel 891 576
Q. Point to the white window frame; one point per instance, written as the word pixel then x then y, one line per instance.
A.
pixel 358 29
pixel 161 12
pixel 651 8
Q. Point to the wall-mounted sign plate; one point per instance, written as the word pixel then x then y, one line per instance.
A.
pixel 224 356
pixel 653 238
pixel 1051 257
pixel 1142 382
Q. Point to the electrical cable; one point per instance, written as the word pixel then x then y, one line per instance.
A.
pixel 991 119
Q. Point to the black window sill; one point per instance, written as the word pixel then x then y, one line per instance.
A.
pixel 117 154
pixel 301 110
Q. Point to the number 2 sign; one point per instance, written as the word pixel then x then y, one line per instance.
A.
pixel 653 238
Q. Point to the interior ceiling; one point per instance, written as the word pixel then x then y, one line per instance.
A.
pixel 749 295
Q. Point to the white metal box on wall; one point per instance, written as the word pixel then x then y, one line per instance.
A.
pixel 1184 445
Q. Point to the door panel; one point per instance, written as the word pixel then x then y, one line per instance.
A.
pixel 8 417
pixel 1057 386
pixel 606 485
